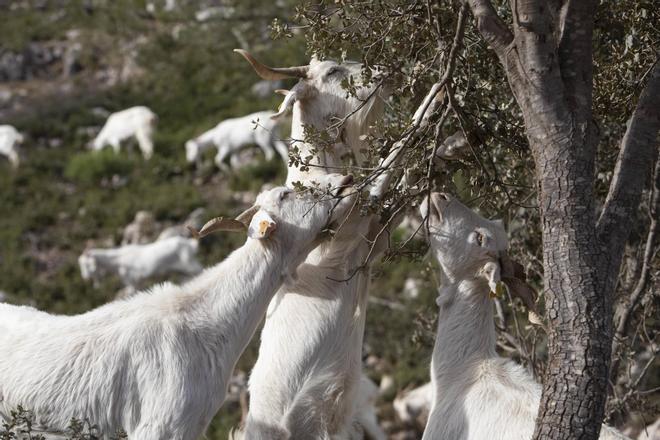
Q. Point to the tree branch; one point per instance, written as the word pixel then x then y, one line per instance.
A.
pixel 636 158
pixel 491 27
pixel 575 25
pixel 421 117
pixel 536 46
pixel 649 252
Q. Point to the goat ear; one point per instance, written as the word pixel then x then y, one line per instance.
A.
pixel 515 280
pixel 289 98
pixel 492 273
pixel 528 295
pixel 261 226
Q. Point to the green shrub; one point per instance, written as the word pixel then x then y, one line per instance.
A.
pixel 93 166
pixel 20 428
pixel 252 177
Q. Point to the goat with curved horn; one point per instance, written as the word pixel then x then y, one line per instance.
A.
pixel 273 73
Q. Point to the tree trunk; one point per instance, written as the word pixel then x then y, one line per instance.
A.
pixel 578 310
pixel 547 59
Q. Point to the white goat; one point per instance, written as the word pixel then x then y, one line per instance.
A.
pixel 158 364
pixel 137 122
pixel 476 394
pixel 10 140
pixel 231 135
pixel 140 230
pixel 414 406
pixel 305 384
pixel 651 432
pixel 319 101
pixel 137 262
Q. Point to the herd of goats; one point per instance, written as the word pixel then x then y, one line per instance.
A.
pixel 157 363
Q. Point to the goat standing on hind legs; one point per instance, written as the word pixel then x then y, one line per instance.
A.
pixel 308 374
pixel 157 365
pixel 477 394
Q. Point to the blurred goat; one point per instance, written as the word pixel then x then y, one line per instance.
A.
pixel 413 407
pixel 193 220
pixel 230 135
pixel 140 230
pixel 137 262
pixel 10 141
pixel 135 122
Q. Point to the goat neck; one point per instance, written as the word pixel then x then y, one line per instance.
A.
pixel 232 297
pixel 466 330
pixel 323 157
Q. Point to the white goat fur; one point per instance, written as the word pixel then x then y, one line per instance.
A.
pixel 135 122
pixel 476 393
pixel 137 262
pixel 306 379
pixel 320 101
pixel 157 364
pixel 231 135
pixel 10 140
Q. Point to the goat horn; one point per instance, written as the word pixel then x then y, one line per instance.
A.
pixel 245 217
pixel 273 73
pixel 217 224
pixel 282 92
pixel 289 99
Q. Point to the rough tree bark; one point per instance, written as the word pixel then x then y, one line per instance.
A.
pixel 547 59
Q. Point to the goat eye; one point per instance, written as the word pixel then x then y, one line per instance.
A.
pixel 332 71
pixel 284 194
pixel 480 238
